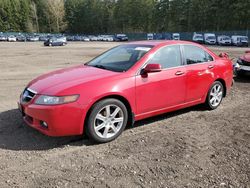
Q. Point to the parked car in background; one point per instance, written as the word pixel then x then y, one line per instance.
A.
pixel 150 36
pixel 121 37
pixel 77 38
pixel 11 38
pixel 176 36
pixel 70 38
pixel 243 64
pixel 43 38
pixel 223 40
pixel 20 38
pixel 198 38
pixel 3 38
pixel 108 38
pixel 238 40
pixel 210 38
pixel 127 83
pixel 32 38
pixel 93 38
pixel 56 41
pixel 84 38
pixel 99 38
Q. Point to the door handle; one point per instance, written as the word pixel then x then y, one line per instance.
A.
pixel 178 73
pixel 210 66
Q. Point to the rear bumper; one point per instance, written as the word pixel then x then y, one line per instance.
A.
pixel 62 120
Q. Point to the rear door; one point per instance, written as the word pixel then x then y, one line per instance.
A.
pixel 199 71
pixel 163 89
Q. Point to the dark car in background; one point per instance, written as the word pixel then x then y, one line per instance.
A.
pixel 121 37
pixel 43 38
pixel 56 41
pixel 77 38
pixel 70 38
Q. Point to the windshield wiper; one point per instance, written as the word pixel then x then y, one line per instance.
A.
pixel 99 66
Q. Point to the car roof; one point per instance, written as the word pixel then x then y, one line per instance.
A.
pixel 161 42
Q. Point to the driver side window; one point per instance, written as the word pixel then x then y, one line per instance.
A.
pixel 167 57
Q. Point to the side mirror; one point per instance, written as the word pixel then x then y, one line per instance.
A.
pixel 151 68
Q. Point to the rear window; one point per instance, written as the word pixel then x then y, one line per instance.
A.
pixel 195 54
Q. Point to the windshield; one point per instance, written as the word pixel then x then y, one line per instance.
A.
pixel 226 38
pixel 211 38
pixel 121 35
pixel 198 37
pixel 121 58
pixel 244 38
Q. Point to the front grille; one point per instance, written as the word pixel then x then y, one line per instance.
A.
pixel 27 95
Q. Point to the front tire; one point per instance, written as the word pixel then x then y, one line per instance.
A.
pixel 107 120
pixel 215 95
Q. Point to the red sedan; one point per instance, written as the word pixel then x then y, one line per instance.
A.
pixel 125 84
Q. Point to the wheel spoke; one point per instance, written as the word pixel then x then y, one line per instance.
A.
pixel 218 88
pixel 117 110
pixel 100 117
pixel 117 120
pixel 212 94
pixel 217 101
pixel 212 100
pixel 214 90
pixel 113 128
pixel 99 127
pixel 105 133
pixel 220 94
pixel 107 111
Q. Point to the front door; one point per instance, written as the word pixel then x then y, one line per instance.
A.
pixel 163 89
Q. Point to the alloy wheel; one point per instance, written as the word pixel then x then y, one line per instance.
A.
pixel 108 121
pixel 216 95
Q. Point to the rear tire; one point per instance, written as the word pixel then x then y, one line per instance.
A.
pixel 106 121
pixel 215 95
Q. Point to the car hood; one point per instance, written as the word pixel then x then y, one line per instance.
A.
pixel 57 81
pixel 246 57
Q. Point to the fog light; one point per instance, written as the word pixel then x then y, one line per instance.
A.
pixel 44 124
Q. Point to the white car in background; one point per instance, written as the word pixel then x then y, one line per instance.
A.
pixel 223 40
pixel 108 38
pixel 198 38
pixel 176 36
pixel 238 40
pixel 150 36
pixel 11 38
pixel 210 38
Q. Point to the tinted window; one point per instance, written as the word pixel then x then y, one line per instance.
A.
pixel 167 57
pixel 194 54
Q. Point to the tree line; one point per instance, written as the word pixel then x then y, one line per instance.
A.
pixel 123 16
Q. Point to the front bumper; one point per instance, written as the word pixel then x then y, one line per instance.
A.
pixel 211 42
pixel 238 67
pixel 62 120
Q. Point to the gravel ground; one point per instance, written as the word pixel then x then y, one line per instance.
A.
pixel 188 148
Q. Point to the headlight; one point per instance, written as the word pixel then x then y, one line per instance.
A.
pixel 239 61
pixel 53 100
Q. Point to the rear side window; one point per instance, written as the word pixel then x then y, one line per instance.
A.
pixel 195 54
pixel 167 57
